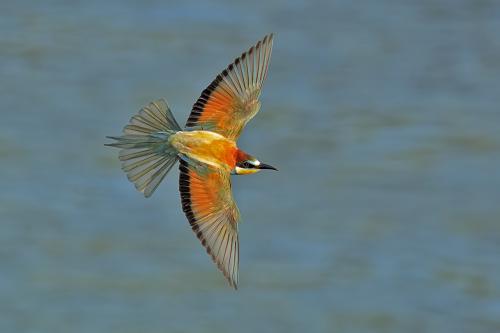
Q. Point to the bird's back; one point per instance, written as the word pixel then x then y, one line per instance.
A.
pixel 206 147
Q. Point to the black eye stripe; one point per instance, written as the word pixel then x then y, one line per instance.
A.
pixel 247 165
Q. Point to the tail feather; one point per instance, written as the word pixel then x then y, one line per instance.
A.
pixel 155 117
pixel 145 153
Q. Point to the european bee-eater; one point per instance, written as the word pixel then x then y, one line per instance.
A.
pixel 153 142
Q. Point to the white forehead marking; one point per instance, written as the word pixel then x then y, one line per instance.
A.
pixel 256 162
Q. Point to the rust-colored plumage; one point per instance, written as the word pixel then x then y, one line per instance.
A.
pixel 207 152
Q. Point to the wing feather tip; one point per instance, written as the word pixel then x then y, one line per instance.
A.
pixel 231 280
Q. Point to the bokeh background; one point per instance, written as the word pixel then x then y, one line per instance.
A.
pixel 382 116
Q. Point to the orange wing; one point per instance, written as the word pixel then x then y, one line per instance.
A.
pixel 232 99
pixel 208 204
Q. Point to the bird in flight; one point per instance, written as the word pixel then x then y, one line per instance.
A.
pixel 206 149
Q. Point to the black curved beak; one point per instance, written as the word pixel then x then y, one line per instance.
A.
pixel 266 166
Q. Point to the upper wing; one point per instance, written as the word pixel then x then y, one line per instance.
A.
pixel 232 99
pixel 208 204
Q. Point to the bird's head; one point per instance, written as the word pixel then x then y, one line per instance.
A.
pixel 247 164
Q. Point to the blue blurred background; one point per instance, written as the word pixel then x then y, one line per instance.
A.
pixel 382 116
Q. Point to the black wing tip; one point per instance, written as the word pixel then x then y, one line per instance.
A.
pixel 267 41
pixel 269 37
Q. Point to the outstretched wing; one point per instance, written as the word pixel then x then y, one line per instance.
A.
pixel 208 204
pixel 232 99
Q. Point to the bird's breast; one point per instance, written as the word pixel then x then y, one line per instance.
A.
pixel 207 147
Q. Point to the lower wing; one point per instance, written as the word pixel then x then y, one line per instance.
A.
pixel 209 206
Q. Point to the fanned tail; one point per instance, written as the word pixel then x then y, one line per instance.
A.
pixel 145 153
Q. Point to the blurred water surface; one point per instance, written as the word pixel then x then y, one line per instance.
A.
pixel 383 118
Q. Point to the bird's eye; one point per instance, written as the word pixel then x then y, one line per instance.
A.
pixel 247 165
